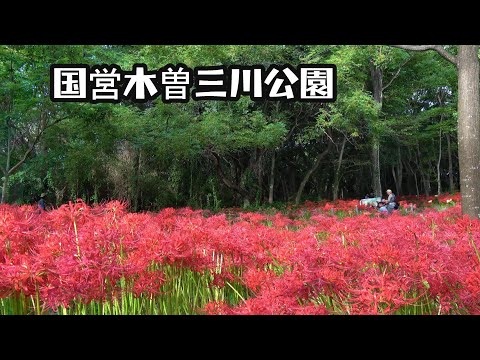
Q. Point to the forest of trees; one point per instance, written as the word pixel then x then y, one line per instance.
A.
pixel 394 125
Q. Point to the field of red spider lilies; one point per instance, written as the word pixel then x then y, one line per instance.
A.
pixel 319 258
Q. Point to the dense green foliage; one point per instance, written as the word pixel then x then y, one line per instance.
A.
pixel 215 153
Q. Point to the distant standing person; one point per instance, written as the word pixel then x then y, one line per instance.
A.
pixel 41 202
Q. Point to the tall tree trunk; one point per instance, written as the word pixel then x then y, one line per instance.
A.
pixel 409 167
pixel 377 84
pixel 416 184
pixel 292 179
pixel 309 173
pixel 450 165
pixel 469 128
pixel 423 176
pixel 439 183
pixel 336 181
pixel 7 168
pixel 399 173
pixel 190 189
pixel 468 120
pixel 376 183
pixel 422 180
pixel 426 183
pixel 395 179
pixel 272 178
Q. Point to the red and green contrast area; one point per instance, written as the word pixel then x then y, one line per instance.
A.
pixel 299 260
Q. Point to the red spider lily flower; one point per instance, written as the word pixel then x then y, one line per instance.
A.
pixel 288 263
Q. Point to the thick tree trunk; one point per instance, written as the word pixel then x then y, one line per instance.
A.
pixel 377 84
pixel 439 182
pixel 272 178
pixel 450 165
pixel 376 183
pixel 469 128
pixel 336 181
pixel 309 173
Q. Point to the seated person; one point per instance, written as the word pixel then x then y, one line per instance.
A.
pixel 390 203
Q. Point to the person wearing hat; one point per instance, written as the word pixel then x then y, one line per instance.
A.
pixel 41 202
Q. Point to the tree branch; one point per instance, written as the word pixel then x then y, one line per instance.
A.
pixel 438 48
pixel 35 141
pixel 290 133
pixel 396 74
pixel 22 160
pixel 328 133
pixel 225 180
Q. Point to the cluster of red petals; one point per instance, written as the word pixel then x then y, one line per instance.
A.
pixel 289 264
